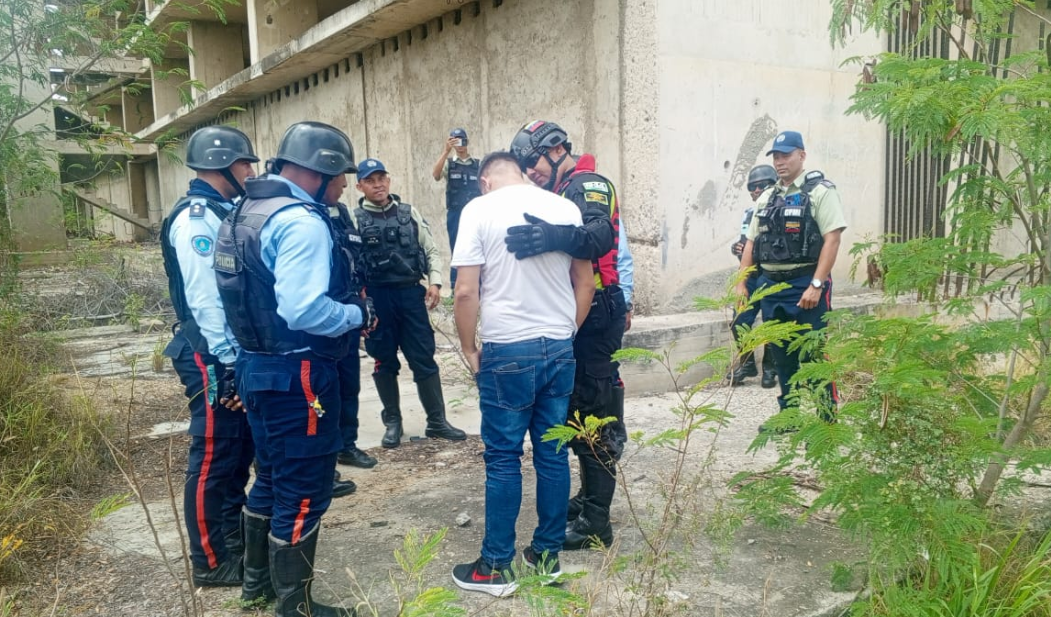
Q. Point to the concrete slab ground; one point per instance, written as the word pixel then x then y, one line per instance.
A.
pixel 427 485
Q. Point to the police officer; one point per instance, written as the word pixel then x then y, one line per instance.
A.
pixel 760 178
pixel 285 283
pixel 398 252
pixel 544 153
pixel 220 442
pixel 461 186
pixel 350 366
pixel 794 237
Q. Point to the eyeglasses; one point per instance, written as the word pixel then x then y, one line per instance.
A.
pixel 530 159
pixel 759 186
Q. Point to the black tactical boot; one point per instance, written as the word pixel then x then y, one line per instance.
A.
pixel 257 588
pixel 355 458
pixel 592 528
pixel 430 391
pixel 769 369
pixel 745 369
pixel 228 573
pixel 292 571
pixel 340 487
pixel 390 397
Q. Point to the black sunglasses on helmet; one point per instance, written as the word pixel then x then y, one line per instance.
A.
pixel 759 186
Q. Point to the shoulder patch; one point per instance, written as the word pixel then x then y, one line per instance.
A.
pixel 197 209
pixel 813 176
pixel 202 245
pixel 596 186
pixel 828 184
pixel 599 198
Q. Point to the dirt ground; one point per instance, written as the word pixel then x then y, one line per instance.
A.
pixel 425 486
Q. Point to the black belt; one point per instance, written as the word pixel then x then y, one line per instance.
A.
pixel 787 275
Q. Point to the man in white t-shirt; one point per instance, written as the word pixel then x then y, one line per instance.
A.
pixel 530 311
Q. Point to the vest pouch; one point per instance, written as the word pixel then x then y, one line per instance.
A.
pixel 390 234
pixel 372 236
pixel 404 237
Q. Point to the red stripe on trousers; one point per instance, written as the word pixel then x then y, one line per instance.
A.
pixel 297 529
pixel 304 378
pixel 202 479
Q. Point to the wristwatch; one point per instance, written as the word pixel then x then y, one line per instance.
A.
pixel 817 284
pixel 629 307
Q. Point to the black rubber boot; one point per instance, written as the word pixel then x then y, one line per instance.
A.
pixel 341 487
pixel 229 573
pixel 769 369
pixel 430 391
pixel 292 571
pixel 390 397
pixel 745 369
pixel 257 588
pixel 592 526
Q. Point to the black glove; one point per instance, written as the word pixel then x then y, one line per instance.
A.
pixel 226 388
pixel 369 319
pixel 539 237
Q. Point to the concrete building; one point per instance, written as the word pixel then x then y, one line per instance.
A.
pixel 676 98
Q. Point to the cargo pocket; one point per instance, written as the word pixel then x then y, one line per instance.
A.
pixel 563 379
pixel 313 446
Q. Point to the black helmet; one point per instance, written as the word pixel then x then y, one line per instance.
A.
pixel 761 176
pixel 215 148
pixel 318 147
pixel 535 139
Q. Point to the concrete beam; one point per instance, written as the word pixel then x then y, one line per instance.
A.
pixel 218 51
pixel 109 66
pixel 70 147
pixel 159 14
pixel 272 23
pixel 349 31
pixel 167 85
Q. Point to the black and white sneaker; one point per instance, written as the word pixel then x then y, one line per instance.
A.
pixel 545 565
pixel 479 576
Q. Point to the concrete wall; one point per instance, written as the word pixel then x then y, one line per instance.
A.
pixel 677 99
pixel 732 75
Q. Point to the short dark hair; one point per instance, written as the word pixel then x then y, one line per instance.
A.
pixel 500 156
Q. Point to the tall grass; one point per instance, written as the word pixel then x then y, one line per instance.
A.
pixel 50 452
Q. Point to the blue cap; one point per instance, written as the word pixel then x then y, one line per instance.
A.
pixel 368 167
pixel 786 142
pixel 458 133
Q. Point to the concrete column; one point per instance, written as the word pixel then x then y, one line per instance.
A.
pixel 218 51
pixel 137 109
pixel 273 23
pixel 165 89
pixel 36 220
pixel 139 206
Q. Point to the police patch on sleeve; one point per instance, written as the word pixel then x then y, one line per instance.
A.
pixel 202 245
pixel 599 198
pixel 601 187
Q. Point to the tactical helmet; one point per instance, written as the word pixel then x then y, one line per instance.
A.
pixel 215 148
pixel 318 147
pixel 462 134
pixel 535 139
pixel 761 175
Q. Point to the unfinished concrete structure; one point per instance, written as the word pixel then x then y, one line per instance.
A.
pixel 676 98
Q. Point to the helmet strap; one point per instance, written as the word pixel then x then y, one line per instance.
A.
pixel 320 194
pixel 229 176
pixel 550 186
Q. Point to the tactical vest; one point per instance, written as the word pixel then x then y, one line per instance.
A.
pixel 574 189
pixel 462 184
pixel 351 245
pixel 246 285
pixel 176 286
pixel 787 232
pixel 391 249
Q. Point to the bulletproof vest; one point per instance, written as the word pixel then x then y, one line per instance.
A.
pixel 786 231
pixel 585 189
pixel 352 247
pixel 391 247
pixel 176 286
pixel 246 285
pixel 462 184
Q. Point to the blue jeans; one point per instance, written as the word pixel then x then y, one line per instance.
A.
pixel 524 386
